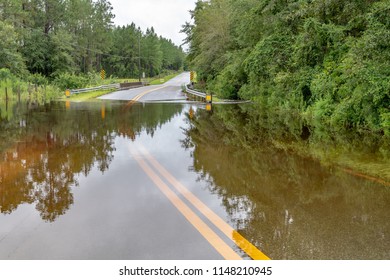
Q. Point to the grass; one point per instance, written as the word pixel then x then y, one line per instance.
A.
pixel 216 99
pixel 36 94
pixel 162 80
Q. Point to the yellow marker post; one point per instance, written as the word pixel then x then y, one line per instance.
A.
pixel 209 98
pixel 67 93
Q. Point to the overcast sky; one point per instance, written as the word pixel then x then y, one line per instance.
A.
pixel 166 16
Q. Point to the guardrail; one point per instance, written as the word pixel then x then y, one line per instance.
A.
pixel 208 98
pixel 77 91
pixel 196 93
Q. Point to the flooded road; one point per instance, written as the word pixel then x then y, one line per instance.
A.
pixel 104 180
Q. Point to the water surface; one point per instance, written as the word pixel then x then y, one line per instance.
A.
pixel 69 188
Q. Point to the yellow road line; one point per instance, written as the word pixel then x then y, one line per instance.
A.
pixel 232 234
pixel 226 251
pixel 140 95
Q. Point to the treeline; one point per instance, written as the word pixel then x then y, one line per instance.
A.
pixel 327 59
pixel 53 38
pixel 156 53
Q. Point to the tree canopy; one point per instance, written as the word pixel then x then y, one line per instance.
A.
pixel 327 59
pixel 53 37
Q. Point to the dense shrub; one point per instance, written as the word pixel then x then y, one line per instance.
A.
pixel 70 81
pixel 327 60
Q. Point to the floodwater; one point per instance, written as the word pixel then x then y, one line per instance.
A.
pixel 71 186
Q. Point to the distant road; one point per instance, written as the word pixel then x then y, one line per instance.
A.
pixel 170 90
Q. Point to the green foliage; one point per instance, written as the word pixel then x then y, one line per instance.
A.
pixel 5 74
pixel 229 81
pixel 152 55
pixel 9 56
pixel 385 122
pixel 35 89
pixel 210 37
pixel 317 41
pixel 38 79
pixel 134 52
pixel 329 60
pixel 70 81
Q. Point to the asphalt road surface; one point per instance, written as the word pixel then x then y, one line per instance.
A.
pixel 168 91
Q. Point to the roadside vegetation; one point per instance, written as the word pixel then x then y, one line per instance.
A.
pixel 34 88
pixel 47 46
pixel 328 61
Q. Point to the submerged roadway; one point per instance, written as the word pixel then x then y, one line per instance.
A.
pixel 147 205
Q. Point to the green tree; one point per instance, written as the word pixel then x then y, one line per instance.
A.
pixel 9 56
pixel 122 60
pixel 151 53
pixel 327 60
pixel 58 38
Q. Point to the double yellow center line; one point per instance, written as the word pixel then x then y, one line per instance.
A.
pixel 147 162
pixel 140 95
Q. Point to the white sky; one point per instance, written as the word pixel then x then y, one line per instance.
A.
pixel 166 16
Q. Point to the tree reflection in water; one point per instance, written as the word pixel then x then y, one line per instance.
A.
pixel 55 144
pixel 279 197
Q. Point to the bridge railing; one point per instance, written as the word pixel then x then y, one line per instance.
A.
pixel 208 98
pixel 103 87
pixel 194 92
pixel 119 86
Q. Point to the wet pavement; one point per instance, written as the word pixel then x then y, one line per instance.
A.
pixel 171 90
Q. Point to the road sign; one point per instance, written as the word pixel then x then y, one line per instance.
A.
pixel 192 76
pixel 67 93
pixel 103 74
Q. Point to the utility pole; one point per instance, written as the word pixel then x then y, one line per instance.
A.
pixel 139 56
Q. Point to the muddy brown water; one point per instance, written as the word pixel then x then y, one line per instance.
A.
pixel 70 189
